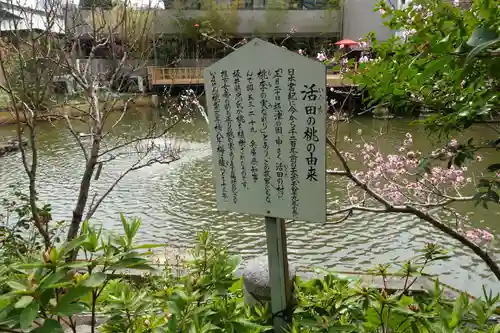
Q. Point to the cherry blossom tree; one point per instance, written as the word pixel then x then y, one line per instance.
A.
pixel 400 183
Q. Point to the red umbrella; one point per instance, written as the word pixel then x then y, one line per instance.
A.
pixel 347 42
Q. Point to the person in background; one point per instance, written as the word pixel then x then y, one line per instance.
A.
pixel 363 59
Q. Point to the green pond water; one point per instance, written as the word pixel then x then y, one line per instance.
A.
pixel 177 200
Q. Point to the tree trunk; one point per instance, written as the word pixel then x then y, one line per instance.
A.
pixel 83 193
pixel 39 224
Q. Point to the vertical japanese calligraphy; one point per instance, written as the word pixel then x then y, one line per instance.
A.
pixel 278 128
pixel 292 110
pixel 254 164
pixel 310 95
pixel 263 76
pixel 240 120
pixel 218 133
pixel 266 109
pixel 229 132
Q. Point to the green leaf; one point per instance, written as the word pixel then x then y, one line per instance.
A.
pixel 74 243
pixel 66 310
pixel 23 302
pixel 149 246
pixel 126 226
pixel 49 326
pixel 172 323
pixel 34 265
pixel 54 255
pixel 483 183
pixel 29 314
pixel 55 277
pixel 480 48
pixel 46 296
pixel 481 35
pixel 457 313
pixel 493 196
pixel 73 294
pixel 173 308
pixel 77 264
pixel 159 330
pixel 16 285
pixel 128 263
pixel 246 323
pixel 95 280
pixel 237 285
pixel 136 224
pixel 143 267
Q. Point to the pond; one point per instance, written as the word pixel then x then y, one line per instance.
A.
pixel 177 200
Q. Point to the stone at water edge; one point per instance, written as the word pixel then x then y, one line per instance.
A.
pixel 256 286
pixel 12 145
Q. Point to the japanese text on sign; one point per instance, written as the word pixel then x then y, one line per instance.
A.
pixel 267 126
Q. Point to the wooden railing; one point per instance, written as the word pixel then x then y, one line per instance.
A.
pixel 194 75
pixel 176 74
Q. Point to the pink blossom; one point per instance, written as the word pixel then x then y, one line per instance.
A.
pixel 381 11
pixel 397 178
pixel 478 235
pixel 321 57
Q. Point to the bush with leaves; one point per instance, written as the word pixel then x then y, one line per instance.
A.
pixel 48 294
pixel 18 234
pixel 445 62
pixel 332 304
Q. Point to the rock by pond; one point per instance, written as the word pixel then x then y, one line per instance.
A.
pixel 12 145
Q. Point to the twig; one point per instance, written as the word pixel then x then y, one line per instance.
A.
pixel 411 209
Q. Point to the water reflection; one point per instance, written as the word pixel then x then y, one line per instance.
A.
pixel 178 199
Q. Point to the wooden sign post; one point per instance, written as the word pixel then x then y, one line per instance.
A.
pixel 267 118
pixel 279 276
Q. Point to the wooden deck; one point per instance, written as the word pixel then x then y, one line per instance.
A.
pixel 194 76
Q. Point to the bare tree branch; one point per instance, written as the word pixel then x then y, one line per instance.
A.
pixel 123 35
pixel 411 209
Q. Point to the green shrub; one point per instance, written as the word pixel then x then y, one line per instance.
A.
pixel 49 292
